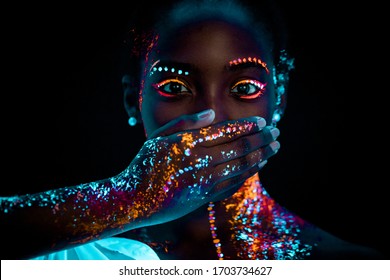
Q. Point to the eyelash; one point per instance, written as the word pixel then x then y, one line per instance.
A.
pixel 182 88
pixel 259 89
pixel 160 87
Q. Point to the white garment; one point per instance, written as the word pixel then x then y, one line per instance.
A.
pixel 112 248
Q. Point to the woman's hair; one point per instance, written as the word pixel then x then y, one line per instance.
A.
pixel 261 16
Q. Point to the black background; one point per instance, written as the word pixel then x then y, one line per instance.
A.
pixel 64 121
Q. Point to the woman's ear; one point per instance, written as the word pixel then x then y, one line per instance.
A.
pixel 130 99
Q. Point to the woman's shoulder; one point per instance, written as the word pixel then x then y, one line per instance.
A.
pixel 327 246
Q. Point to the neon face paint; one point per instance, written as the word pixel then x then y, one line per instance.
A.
pixel 249 61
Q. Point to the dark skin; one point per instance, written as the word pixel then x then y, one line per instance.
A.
pixel 120 205
pixel 115 205
pixel 208 47
pixel 210 84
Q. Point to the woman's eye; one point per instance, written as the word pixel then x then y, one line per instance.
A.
pixel 248 89
pixel 171 88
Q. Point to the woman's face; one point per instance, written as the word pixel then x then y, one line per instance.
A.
pixel 210 64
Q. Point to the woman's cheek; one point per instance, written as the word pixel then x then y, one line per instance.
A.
pixel 156 113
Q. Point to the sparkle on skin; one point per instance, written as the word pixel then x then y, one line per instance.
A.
pixel 261 228
pixel 116 202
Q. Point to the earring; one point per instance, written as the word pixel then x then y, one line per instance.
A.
pixel 132 121
pixel 131 101
pixel 134 116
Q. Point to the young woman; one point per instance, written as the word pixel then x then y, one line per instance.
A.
pixel 209 81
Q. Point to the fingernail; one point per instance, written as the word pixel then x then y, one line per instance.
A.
pixel 261 122
pixel 275 132
pixel 209 113
pixel 275 146
pixel 261 164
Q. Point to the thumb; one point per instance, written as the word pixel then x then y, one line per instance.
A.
pixel 185 122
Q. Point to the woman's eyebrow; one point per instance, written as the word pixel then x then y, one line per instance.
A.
pixel 179 68
pixel 242 63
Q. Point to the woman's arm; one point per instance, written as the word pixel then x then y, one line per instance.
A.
pixel 45 222
pixel 170 177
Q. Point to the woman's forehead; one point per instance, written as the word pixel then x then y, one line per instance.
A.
pixel 210 40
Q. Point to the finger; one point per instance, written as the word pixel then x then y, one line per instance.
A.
pixel 185 122
pixel 224 132
pixel 237 166
pixel 268 135
pixel 244 145
pixel 229 186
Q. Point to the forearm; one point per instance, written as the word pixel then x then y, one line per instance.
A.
pixel 49 221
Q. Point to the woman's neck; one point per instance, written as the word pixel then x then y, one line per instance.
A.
pixel 247 225
pixel 259 227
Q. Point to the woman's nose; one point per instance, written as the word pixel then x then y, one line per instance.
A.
pixel 215 101
pixel 220 114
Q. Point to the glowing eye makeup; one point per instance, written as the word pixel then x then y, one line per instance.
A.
pixel 171 88
pixel 166 69
pixel 171 73
pixel 248 60
pixel 248 89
